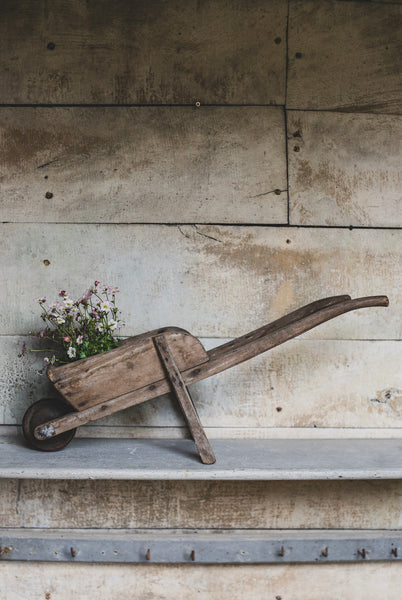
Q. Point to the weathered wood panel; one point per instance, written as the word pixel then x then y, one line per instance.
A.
pixel 345 169
pixel 344 55
pixel 143 52
pixel 286 387
pixel 202 504
pixel 155 165
pixel 8 503
pixel 230 582
pixel 213 281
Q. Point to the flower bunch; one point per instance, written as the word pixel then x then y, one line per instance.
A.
pixel 79 328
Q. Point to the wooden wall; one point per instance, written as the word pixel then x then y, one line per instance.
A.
pixel 281 187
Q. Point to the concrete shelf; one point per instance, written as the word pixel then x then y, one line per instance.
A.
pixel 237 459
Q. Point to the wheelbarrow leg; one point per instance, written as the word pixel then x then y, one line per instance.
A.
pixel 181 392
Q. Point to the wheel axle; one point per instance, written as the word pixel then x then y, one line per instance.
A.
pixel 35 421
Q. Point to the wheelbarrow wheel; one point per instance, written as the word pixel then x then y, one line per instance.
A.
pixel 40 412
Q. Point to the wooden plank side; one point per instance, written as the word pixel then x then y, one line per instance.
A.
pixel 213 281
pixel 143 164
pixel 229 582
pixel 182 395
pixel 202 504
pixel 345 169
pixel 143 52
pixel 135 364
pixel 344 56
pixel 287 387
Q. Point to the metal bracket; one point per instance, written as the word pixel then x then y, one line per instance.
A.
pixel 172 546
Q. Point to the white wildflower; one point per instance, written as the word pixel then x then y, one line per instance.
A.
pixel 112 325
pixel 60 320
pixel 79 340
pixel 53 309
pixel 104 306
pixel 68 303
pixel 71 352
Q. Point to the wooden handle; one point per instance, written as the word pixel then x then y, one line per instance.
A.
pixel 296 315
pixel 249 348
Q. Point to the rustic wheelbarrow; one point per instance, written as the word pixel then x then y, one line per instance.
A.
pixel 155 363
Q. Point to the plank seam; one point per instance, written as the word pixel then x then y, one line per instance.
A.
pixel 373 2
pixel 212 224
pixel 285 113
pixel 358 110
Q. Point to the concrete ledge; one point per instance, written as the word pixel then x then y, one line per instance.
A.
pixel 167 459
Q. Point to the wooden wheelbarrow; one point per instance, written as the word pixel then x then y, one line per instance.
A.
pixel 155 363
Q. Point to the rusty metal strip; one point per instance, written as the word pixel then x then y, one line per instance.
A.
pixel 200 546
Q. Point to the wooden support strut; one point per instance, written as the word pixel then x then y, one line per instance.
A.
pixel 181 392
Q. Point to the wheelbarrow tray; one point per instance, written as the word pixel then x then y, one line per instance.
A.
pixel 134 364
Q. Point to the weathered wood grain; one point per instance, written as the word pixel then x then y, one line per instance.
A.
pixel 202 504
pixel 142 164
pixel 302 384
pixel 274 326
pixel 9 498
pixel 143 52
pixel 345 169
pixel 345 56
pixel 229 582
pixel 182 395
pixel 213 281
pixel 225 359
pixel 133 365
